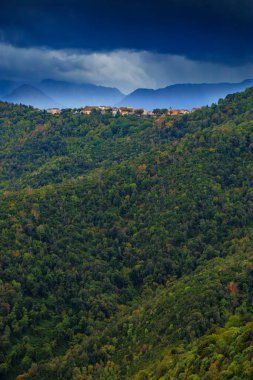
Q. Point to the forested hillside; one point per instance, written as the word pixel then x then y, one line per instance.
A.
pixel 126 244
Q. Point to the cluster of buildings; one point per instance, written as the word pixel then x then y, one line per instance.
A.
pixel 54 111
pixel 125 111
pixel 122 111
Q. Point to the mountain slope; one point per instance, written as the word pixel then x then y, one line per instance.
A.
pixel 6 86
pixel 126 244
pixel 30 95
pixel 67 94
pixel 183 95
pixel 78 95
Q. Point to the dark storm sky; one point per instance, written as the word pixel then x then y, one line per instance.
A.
pixel 212 32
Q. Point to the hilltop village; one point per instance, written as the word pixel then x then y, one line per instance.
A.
pixel 126 111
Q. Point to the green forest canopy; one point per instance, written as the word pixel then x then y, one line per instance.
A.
pixel 126 244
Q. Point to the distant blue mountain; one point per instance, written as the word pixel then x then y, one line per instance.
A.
pixel 52 93
pixel 6 86
pixel 183 95
pixel 30 95
pixel 77 95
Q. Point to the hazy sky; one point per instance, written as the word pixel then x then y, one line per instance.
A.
pixel 127 44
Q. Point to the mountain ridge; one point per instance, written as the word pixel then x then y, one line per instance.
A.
pixel 30 95
pixel 126 244
pixel 75 95
pixel 186 95
pixel 59 94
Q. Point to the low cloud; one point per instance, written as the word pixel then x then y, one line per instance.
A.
pixel 124 69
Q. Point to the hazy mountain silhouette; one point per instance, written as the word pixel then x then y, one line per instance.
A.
pixel 77 95
pixel 52 93
pixel 183 95
pixel 6 86
pixel 30 95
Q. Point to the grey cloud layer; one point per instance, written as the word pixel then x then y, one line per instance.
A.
pixel 124 69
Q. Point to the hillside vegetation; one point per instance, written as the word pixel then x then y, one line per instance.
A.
pixel 126 245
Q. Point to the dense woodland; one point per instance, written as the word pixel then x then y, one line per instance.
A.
pixel 126 244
